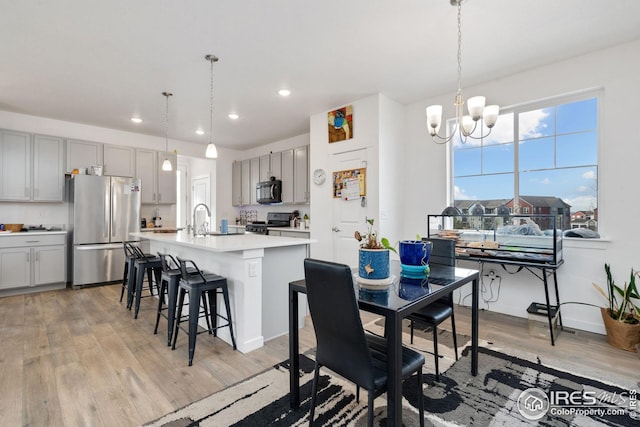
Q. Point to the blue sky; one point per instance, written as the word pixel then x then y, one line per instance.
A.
pixel 557 156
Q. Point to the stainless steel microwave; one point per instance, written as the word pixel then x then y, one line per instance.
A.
pixel 269 192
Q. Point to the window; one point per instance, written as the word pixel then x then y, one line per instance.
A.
pixel 540 157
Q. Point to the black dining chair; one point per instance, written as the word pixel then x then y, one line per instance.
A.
pixel 442 252
pixel 342 344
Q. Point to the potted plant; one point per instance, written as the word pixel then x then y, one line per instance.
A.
pixel 373 259
pixel 622 316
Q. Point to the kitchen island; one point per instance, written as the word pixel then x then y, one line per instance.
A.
pixel 258 269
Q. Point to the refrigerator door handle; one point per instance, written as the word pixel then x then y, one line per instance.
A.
pixel 99 247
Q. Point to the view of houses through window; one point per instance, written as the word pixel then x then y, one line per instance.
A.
pixel 540 158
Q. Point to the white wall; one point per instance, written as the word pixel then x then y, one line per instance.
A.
pixel 614 70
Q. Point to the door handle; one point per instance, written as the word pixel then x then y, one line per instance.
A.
pixel 335 229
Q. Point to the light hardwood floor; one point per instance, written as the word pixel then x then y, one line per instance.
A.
pixel 78 358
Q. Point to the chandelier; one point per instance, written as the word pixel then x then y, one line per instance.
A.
pixel 212 151
pixel 465 125
pixel 166 165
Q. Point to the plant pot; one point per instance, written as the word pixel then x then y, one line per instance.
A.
pixel 373 263
pixel 414 252
pixel 619 334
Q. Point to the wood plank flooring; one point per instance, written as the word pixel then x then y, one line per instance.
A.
pixel 78 358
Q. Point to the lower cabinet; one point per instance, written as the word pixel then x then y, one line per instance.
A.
pixel 30 262
pixel 284 233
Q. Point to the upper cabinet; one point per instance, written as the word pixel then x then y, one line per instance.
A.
pixel 31 167
pixel 287 176
pixel 301 174
pixel 289 166
pixel 236 183
pixel 119 160
pixel 48 169
pixel 254 179
pixel 83 154
pixel 157 186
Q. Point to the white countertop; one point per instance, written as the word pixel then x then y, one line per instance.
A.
pixel 228 243
pixel 31 233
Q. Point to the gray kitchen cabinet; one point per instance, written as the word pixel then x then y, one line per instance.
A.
pixel 15 268
pixel 15 165
pixel 285 233
pixel 83 154
pixel 31 262
pixel 167 180
pixel 48 264
pixel 31 167
pixel 119 160
pixel 275 159
pixel 301 174
pixel 246 183
pixel 48 169
pixel 236 183
pixel 287 176
pixel 265 167
pixel 157 186
pixel 254 179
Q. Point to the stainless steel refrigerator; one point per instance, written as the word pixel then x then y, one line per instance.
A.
pixel 103 210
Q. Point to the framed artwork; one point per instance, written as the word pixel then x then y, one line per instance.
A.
pixel 340 124
pixel 350 184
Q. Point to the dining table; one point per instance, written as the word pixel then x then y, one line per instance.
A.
pixel 403 295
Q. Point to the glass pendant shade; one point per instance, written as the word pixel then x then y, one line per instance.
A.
pixel 475 105
pixel 212 151
pixel 166 165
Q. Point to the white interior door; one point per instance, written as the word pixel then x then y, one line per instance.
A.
pixel 348 215
pixel 201 193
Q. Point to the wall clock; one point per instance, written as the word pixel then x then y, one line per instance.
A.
pixel 319 176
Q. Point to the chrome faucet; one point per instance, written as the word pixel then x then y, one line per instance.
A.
pixel 195 208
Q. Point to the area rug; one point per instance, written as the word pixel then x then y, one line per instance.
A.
pixel 492 398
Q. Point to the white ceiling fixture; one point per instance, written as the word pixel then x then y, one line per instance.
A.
pixel 166 165
pixel 233 116
pixel 136 119
pixel 212 151
pixel 465 125
pixel 200 132
pixel 284 92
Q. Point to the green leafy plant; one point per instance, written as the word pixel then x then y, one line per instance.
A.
pixel 369 240
pixel 623 301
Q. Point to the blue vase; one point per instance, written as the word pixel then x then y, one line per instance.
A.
pixel 373 263
pixel 414 252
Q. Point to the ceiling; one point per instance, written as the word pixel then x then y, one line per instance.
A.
pixel 100 63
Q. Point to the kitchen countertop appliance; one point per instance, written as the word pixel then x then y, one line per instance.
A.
pixel 103 210
pixel 274 219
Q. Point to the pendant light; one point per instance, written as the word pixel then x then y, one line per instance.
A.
pixel 166 165
pixel 212 151
pixel 465 125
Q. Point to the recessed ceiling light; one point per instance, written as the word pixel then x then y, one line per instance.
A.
pixel 136 119
pixel 233 116
pixel 200 132
pixel 284 92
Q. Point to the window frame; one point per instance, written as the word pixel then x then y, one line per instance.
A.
pixel 554 101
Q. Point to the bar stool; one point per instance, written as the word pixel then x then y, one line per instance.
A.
pixel 129 258
pixel 131 253
pixel 169 287
pixel 144 264
pixel 198 286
